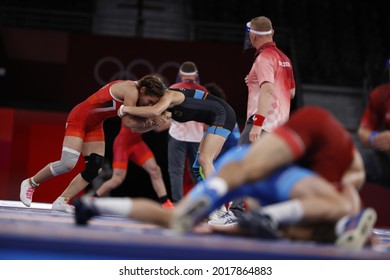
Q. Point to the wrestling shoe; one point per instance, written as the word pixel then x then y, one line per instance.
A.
pixel 26 192
pixel 61 204
pixel 259 225
pixel 357 229
pixel 223 218
pixel 168 204
pixel 216 214
pixel 198 203
pixel 84 210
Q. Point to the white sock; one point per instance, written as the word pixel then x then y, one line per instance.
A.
pixel 113 205
pixel 33 183
pixel 288 212
pixel 218 184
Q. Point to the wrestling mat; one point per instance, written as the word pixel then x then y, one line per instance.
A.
pixel 38 233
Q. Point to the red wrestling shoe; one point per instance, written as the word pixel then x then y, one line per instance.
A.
pixel 168 204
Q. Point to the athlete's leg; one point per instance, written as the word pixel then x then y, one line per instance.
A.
pixel 205 195
pixel 311 200
pixel 156 178
pixel 71 149
pixel 237 206
pixel 141 155
pixel 266 155
pixel 209 148
pixel 304 196
pixel 118 176
pixel 94 150
pixel 141 209
pixel 149 211
pixel 318 199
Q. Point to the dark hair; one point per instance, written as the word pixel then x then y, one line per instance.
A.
pixel 153 84
pixel 215 90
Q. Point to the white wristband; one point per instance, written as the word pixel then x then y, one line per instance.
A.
pixel 120 111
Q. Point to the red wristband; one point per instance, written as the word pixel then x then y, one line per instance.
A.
pixel 258 120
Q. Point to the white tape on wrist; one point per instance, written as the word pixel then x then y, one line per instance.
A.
pixel 120 111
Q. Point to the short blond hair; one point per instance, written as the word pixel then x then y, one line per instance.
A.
pixel 261 23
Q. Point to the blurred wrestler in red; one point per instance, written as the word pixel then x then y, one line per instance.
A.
pixel 311 139
pixel 272 170
pixel 374 133
pixel 130 146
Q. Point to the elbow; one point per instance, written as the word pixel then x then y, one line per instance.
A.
pixel 126 121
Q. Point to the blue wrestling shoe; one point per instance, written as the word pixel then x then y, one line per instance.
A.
pixel 197 205
pixel 357 229
pixel 84 210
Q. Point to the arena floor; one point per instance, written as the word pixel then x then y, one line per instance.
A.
pixel 38 233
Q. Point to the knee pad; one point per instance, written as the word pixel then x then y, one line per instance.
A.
pixel 93 163
pixel 67 162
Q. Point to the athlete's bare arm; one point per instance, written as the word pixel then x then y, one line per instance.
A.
pixel 381 141
pixel 169 99
pixel 364 135
pixel 148 124
pixel 128 92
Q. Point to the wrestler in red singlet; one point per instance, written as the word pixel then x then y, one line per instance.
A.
pixel 129 146
pixel 311 132
pixel 86 119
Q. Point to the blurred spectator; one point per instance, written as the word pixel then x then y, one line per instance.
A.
pixel 374 133
pixel 184 138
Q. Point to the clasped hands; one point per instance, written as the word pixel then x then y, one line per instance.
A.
pixel 149 122
pixel 160 120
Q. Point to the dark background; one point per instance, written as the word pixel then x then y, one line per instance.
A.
pixel 335 42
pixel 50 48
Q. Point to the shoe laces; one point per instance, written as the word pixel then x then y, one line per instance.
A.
pixel 228 218
pixel 29 192
pixel 228 215
pixel 230 221
pixel 223 215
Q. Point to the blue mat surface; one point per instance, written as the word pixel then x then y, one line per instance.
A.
pixel 40 233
